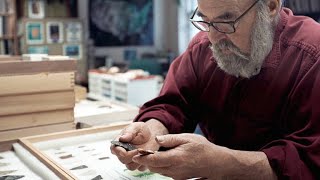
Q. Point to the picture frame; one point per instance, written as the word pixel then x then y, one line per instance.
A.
pixel 36 9
pixel 34 33
pixel 72 50
pixel 74 32
pixel 54 32
pixel 109 26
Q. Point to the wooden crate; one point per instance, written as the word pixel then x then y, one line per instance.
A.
pixel 36 97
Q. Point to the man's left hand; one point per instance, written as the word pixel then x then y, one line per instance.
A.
pixel 189 156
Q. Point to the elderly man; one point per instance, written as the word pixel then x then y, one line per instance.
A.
pixel 251 80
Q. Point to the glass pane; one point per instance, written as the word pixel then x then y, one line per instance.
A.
pixel 224 27
pixel 201 26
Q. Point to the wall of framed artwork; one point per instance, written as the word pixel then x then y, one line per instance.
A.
pixel 55 36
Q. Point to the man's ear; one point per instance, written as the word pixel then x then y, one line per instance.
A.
pixel 274 7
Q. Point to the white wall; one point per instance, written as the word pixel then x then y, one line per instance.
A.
pixel 166 30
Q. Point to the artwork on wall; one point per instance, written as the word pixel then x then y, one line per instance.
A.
pixel 121 22
pixel 54 32
pixel 74 32
pixel 36 9
pixel 72 50
pixel 34 33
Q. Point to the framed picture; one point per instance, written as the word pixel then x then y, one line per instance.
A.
pixel 72 50
pixel 34 33
pixel 36 9
pixel 111 26
pixel 74 32
pixel 54 32
pixel 38 50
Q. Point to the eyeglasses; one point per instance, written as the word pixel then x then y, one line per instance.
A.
pixel 226 27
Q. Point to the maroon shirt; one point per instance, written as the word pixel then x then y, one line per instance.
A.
pixel 276 111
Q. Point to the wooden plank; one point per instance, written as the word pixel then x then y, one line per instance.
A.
pixel 7 145
pixel 36 119
pixel 10 105
pixel 34 83
pixel 73 133
pixel 16 134
pixel 32 67
pixel 9 58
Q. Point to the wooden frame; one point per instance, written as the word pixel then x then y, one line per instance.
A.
pixel 74 32
pixel 36 9
pixel 73 50
pixel 55 32
pixel 8 147
pixel 28 143
pixel 34 33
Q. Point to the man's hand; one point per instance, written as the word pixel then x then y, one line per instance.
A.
pixel 141 135
pixel 193 156
pixel 189 156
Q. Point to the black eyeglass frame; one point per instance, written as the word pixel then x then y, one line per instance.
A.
pixel 231 23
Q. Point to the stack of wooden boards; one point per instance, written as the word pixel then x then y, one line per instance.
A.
pixel 36 97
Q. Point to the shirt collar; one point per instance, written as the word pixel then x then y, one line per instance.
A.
pixel 273 59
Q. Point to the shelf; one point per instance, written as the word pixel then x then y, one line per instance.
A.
pixel 6 14
pixel 7 37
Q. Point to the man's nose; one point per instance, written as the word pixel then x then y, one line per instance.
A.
pixel 215 36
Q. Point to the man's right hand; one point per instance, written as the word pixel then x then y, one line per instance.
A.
pixel 141 135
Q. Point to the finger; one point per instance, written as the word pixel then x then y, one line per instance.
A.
pixel 132 166
pixel 126 156
pixel 117 150
pixel 158 159
pixel 135 133
pixel 171 140
pixel 142 168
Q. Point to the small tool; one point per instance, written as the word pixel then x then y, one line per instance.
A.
pixel 126 146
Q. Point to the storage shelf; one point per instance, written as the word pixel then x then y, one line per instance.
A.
pixel 7 37
pixel 6 14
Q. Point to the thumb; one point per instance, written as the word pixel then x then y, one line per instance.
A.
pixel 170 140
pixel 135 133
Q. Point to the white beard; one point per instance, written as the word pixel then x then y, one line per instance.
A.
pixel 245 65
